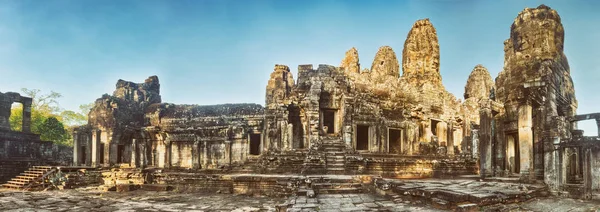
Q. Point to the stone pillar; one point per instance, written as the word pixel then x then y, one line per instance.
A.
pixel 88 157
pixel 587 173
pixel 552 163
pixel 598 124
pixel 442 133
pixel 205 154
pixel 26 127
pixel 142 155
pixel 475 143
pixel 168 153
pixel 134 151
pixel 450 138
pixel 76 149
pixel 290 136
pixel 485 141
pixel 196 154
pixel 95 147
pixel 228 151
pixel 525 141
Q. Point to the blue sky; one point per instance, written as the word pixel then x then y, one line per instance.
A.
pixel 210 52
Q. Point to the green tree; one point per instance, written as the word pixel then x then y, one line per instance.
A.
pixel 47 118
pixel 53 130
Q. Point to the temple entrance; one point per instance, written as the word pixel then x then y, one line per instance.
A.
pixel 120 153
pixel 83 155
pixel 394 141
pixel 362 137
pixel 294 118
pixel 512 153
pixel 328 120
pixel 574 166
pixel 255 144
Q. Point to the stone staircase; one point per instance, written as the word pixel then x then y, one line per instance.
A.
pixel 334 149
pixel 34 178
pixel 316 185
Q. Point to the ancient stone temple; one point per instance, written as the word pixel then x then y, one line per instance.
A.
pixel 395 119
pixel 21 150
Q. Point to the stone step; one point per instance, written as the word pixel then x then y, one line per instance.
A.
pixel 17 182
pixel 340 191
pixel 13 186
pixel 335 168
pixel 34 172
pixel 335 185
pixel 335 165
pixel 17 179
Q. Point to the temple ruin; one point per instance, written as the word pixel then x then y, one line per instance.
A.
pixel 394 120
pixel 21 150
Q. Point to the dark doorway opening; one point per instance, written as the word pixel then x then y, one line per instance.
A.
pixel 329 120
pixel 395 141
pixel 255 144
pixel 362 137
pixel 101 153
pixel 120 153
pixel 83 155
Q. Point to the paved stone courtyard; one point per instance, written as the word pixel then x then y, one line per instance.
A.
pixel 91 199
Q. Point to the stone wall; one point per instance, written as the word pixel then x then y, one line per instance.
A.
pixel 20 151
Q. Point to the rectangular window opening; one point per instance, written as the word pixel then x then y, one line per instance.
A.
pixel 255 144
pixel 329 120
pixel 362 137
pixel 395 141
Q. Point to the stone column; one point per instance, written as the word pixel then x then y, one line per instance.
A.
pixel 205 155
pixel 525 141
pixel 143 156
pixel 485 141
pixel 228 151
pixel 598 124
pixel 475 143
pixel 168 153
pixel 551 162
pixel 587 173
pixel 88 156
pixel 442 133
pixel 196 154
pixel 95 147
pixel 76 149
pixel 134 151
pixel 26 127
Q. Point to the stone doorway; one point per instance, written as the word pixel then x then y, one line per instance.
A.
pixel 101 153
pixel 362 137
pixel 255 144
pixel 328 120
pixel 120 153
pixel 394 141
pixel 83 155
pixel 513 154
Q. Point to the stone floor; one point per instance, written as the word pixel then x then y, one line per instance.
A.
pixel 91 199
pixel 353 202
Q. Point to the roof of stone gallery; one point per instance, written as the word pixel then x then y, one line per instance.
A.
pixel 173 110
